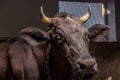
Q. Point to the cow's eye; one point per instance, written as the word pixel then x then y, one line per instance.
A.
pixel 57 37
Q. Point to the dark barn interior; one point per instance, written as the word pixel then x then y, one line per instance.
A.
pixel 18 14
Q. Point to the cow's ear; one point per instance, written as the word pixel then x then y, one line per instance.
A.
pixel 98 32
pixel 33 36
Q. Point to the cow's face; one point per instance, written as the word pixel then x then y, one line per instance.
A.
pixel 69 42
pixel 70 48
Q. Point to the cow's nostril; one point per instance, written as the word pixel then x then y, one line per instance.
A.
pixel 88 64
pixel 82 66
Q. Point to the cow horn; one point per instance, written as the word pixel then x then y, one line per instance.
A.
pixel 45 19
pixel 86 16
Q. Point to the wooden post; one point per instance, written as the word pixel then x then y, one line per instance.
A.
pixel 117 6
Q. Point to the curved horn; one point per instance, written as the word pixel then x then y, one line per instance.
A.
pixel 45 19
pixel 86 16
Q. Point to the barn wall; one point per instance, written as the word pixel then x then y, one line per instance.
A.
pixel 17 14
pixel 79 8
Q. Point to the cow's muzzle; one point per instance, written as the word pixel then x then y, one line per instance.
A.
pixel 86 67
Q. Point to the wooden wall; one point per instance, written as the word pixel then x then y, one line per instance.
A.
pixel 17 14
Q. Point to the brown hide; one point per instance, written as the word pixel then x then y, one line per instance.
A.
pixel 3 61
pixel 107 55
pixel 20 61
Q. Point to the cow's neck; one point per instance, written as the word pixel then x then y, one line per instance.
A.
pixel 42 57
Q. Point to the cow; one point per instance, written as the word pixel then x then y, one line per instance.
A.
pixel 60 53
pixel 107 55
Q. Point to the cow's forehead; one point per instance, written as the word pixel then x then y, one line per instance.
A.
pixel 69 16
pixel 68 24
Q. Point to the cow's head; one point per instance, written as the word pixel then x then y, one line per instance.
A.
pixel 69 39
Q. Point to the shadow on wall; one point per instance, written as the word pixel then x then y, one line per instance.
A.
pixel 17 14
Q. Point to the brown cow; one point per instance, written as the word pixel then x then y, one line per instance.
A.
pixel 61 53
pixel 108 58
